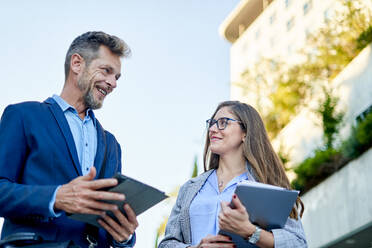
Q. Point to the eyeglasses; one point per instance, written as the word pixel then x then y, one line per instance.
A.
pixel 221 122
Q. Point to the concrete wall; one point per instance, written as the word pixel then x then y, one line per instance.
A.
pixel 341 204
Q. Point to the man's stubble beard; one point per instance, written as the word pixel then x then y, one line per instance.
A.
pixel 86 86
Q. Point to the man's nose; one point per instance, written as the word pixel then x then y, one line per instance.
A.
pixel 112 81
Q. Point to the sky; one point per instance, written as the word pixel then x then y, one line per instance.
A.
pixel 176 76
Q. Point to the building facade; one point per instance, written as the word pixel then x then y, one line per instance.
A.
pixel 338 212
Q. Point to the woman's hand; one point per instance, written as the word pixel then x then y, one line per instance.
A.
pixel 235 219
pixel 215 241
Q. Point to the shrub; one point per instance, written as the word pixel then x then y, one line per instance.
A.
pixel 364 132
pixel 315 169
pixel 364 38
pixel 323 163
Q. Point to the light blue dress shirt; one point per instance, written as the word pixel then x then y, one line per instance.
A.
pixel 206 206
pixel 85 138
pixel 83 131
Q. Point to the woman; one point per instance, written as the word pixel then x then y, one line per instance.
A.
pixel 237 148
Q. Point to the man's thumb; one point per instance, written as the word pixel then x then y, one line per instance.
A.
pixel 92 174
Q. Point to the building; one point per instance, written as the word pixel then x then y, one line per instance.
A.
pixel 338 211
pixel 260 29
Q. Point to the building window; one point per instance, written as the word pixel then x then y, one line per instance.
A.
pixel 326 15
pixel 273 64
pixel 287 3
pixel 258 33
pixel 307 33
pixel 272 18
pixel 364 114
pixel 290 50
pixel 307 6
pixel 272 42
pixel 290 24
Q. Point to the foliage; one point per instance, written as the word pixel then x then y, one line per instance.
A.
pixel 279 92
pixel 360 139
pixel 160 231
pixel 316 168
pixel 323 163
pixel 335 45
pixel 195 169
pixel 283 156
pixel 330 119
pixel 290 92
pixel 365 38
pixel 363 132
pixel 351 147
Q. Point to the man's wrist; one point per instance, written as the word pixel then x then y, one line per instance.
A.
pixel 128 243
pixel 52 210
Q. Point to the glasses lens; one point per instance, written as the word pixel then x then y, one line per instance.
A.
pixel 210 123
pixel 222 123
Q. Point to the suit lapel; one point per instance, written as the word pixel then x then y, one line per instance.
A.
pixel 101 148
pixel 193 189
pixel 65 129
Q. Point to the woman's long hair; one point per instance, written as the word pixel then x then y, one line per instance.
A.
pixel 257 150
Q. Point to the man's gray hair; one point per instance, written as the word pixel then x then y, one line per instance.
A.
pixel 87 46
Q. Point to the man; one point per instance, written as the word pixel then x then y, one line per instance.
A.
pixel 51 152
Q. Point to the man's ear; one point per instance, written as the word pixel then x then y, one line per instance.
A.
pixel 77 63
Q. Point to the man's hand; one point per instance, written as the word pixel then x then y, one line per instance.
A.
pixel 235 220
pixel 125 226
pixel 81 195
pixel 217 241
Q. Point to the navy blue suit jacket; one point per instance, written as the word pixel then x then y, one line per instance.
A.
pixel 37 153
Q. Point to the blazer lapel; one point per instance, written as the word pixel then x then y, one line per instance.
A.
pixel 65 129
pixel 194 187
pixel 101 148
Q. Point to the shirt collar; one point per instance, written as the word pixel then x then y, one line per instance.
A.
pixel 213 180
pixel 65 107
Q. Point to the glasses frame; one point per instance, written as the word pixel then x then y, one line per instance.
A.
pixel 211 122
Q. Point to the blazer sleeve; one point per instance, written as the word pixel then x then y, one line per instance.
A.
pixel 292 235
pixel 173 232
pixel 18 200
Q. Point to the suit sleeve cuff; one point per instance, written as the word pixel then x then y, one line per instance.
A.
pixel 51 205
pixel 129 243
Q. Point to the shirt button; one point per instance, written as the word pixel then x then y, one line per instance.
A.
pixel 86 144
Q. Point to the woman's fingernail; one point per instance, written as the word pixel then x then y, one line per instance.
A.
pixel 234 196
